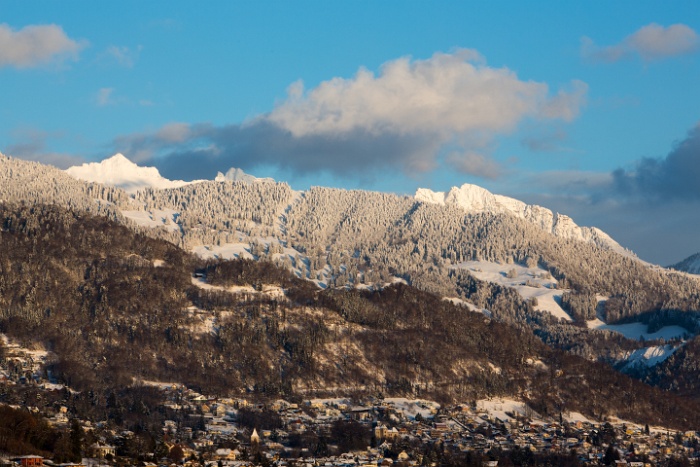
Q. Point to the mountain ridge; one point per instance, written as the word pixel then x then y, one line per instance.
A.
pixel 140 314
pixel 363 241
pixel 118 171
pixel 474 198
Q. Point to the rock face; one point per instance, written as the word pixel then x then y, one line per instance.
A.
pixel 474 198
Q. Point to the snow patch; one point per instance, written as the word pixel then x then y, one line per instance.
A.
pixel 497 408
pixel 649 356
pixel 636 330
pixel 530 283
pixel 573 417
pixel 166 218
pixel 470 306
pixel 412 407
pixel 224 251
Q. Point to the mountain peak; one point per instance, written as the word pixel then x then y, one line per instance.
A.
pixel 474 198
pixel 120 172
pixel 690 265
pixel 119 159
pixel 235 175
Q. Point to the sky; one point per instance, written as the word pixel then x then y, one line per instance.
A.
pixel 590 108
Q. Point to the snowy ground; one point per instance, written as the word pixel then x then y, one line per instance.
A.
pixel 636 330
pixel 157 218
pixel 573 417
pixel 649 356
pixel 272 291
pixel 497 408
pixel 225 251
pixel 528 282
pixel 410 408
pixel 36 358
pixel 470 306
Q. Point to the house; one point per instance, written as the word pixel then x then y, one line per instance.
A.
pixel 361 413
pixel 29 461
pixel 392 434
pixel 226 454
pixel 102 450
pixel 380 431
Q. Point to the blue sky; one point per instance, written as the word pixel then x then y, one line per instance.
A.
pixel 589 108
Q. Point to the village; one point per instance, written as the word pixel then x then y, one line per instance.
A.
pixel 209 431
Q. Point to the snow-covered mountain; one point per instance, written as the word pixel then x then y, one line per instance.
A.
pixel 474 198
pixel 357 238
pixel 690 265
pixel 237 175
pixel 120 172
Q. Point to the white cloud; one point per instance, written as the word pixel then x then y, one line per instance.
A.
pixel 445 94
pixel 413 116
pixel 36 45
pixel 123 56
pixel 650 42
pixel 104 96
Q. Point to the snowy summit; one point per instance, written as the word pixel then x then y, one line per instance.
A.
pixel 237 175
pixel 474 198
pixel 118 171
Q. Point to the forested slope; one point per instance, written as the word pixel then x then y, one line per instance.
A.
pixel 114 307
pixel 362 239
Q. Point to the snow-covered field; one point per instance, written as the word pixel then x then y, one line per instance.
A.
pixel 637 330
pixel 166 218
pixel 410 408
pixel 530 283
pixel 266 289
pixel 573 417
pixel 497 408
pixel 225 251
pixel 649 356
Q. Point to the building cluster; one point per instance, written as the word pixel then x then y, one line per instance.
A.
pixel 203 431
pixel 208 432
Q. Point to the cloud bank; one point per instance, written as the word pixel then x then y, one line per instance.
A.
pixel 654 198
pixel 651 42
pixel 32 146
pixel 673 177
pixel 36 45
pixel 412 116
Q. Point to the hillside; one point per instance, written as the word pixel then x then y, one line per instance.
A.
pixel 113 307
pixel 569 289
